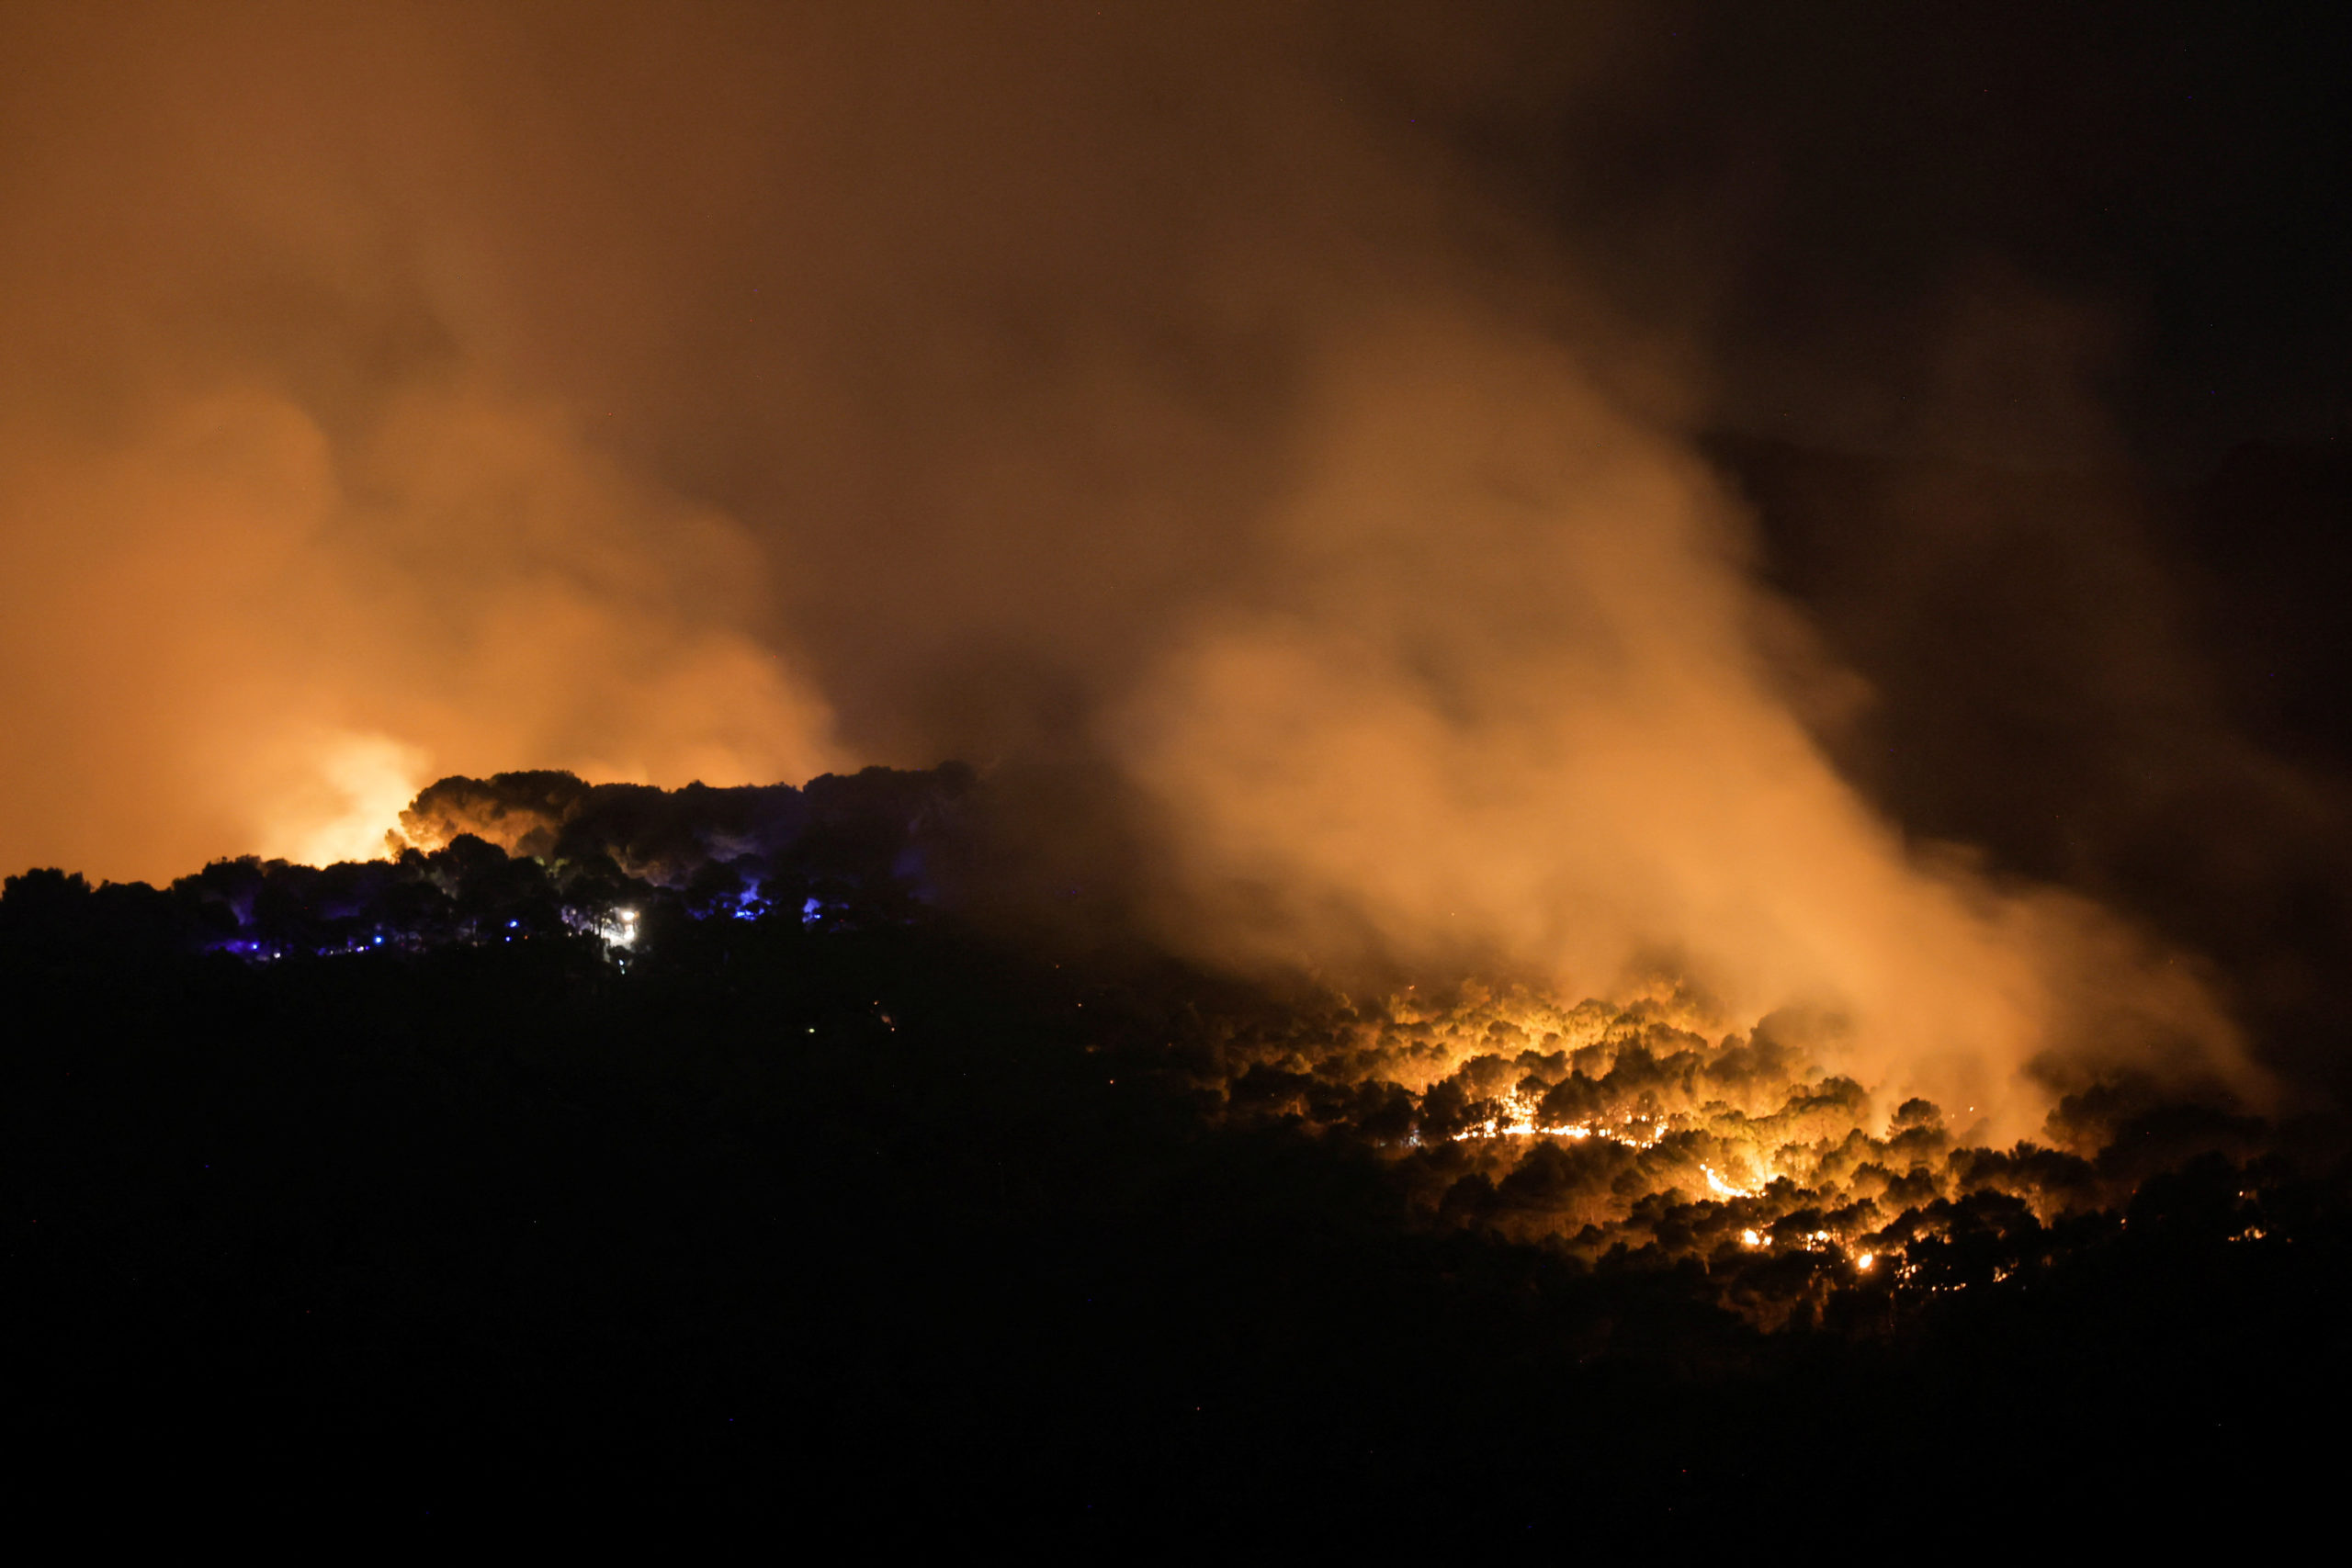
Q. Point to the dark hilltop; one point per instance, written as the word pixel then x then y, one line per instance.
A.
pixel 660 1157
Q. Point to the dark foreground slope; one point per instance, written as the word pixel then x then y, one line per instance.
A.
pixel 895 1228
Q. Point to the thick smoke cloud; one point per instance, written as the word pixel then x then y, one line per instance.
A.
pixel 285 532
pixel 736 393
pixel 417 389
pixel 1510 703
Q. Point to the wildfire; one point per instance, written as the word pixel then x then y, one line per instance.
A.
pixel 1642 1130
pixel 334 797
pixel 1720 1188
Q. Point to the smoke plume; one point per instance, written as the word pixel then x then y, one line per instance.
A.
pixel 736 393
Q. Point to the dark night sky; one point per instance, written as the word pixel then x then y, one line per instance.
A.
pixel 1834 182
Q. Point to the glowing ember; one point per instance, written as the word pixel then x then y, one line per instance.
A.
pixel 1648 1129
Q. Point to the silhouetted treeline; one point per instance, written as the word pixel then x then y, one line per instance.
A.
pixel 563 857
pixel 900 1228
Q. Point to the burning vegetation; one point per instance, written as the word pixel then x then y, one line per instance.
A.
pixel 1643 1136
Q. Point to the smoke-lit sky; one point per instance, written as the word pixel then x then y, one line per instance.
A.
pixel 1313 412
